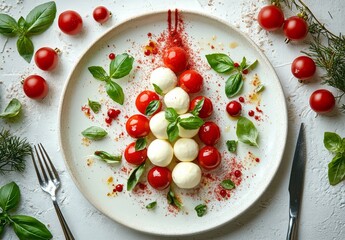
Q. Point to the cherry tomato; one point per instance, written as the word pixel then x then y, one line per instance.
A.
pixel 143 100
pixel 159 177
pixel 176 59
pixel 137 126
pixel 271 18
pixel 207 107
pixel 101 14
pixel 209 133
pixel 303 67
pixel 70 22
pixel 35 87
pixel 322 101
pixel 46 58
pixel 191 81
pixel 135 157
pixel 234 108
pixel 209 158
pixel 295 28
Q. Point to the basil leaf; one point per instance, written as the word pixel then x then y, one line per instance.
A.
pixel 157 89
pixel 121 65
pixel 246 131
pixel 336 169
pixel 198 107
pixel 21 25
pixel 220 62
pixel 227 184
pixel 170 114
pixel 40 18
pixel 172 131
pixel 140 144
pixel 25 48
pixel 107 157
pixel 252 66
pixel 173 200
pixel 152 107
pixel 115 92
pixel 27 227
pixel 259 88
pixel 135 176
pixel 99 73
pixel 8 25
pixel 95 106
pixel 233 85
pixel 332 142
pixel 200 210
pixel 192 122
pixel 243 63
pixel 151 205
pixel 9 196
pixel 231 145
pixel 12 109
pixel 94 133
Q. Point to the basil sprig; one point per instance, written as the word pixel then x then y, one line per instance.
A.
pixel 25 227
pixel 37 21
pixel 12 109
pixel 336 168
pixel 173 200
pixel 134 177
pixel 152 107
pixel 107 157
pixel 94 133
pixel 201 210
pixel 198 107
pixel 246 131
pixel 119 67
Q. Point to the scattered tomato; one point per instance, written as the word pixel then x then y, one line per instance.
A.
pixel 209 158
pixel 35 87
pixel 303 67
pixel 234 108
pixel 271 18
pixel 46 58
pixel 209 133
pixel 70 22
pixel 322 101
pixel 143 100
pixel 101 14
pixel 176 59
pixel 295 28
pixel 207 107
pixel 137 126
pixel 191 81
pixel 159 177
pixel 135 157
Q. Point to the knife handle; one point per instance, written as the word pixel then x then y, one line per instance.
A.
pixel 292 230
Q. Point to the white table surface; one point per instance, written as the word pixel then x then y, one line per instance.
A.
pixel 323 207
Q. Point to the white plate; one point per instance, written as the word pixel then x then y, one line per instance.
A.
pixel 206 35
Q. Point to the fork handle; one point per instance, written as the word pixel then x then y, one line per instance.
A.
pixel 67 232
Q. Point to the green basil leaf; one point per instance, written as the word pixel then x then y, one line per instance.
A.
pixel 95 106
pixel 201 210
pixel 157 89
pixel 243 63
pixel 336 169
pixel 140 144
pixel 173 200
pixel 99 73
pixel 94 133
pixel 192 122
pixel 246 131
pixel 121 66
pixel 134 177
pixel 9 196
pixel 30 228
pixel 259 88
pixel 171 114
pixel 151 205
pixel 332 142
pixel 115 92
pixel 172 131
pixel 107 157
pixel 233 85
pixel 25 48
pixel 8 25
pixel 40 18
pixel 21 24
pixel 220 62
pixel 227 184
pixel 231 145
pixel 12 109
pixel 252 66
pixel 152 107
pixel 198 107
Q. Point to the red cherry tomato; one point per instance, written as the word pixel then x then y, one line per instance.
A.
pixel 295 28
pixel 303 67
pixel 46 58
pixel 209 158
pixel 191 81
pixel 322 101
pixel 143 100
pixel 207 107
pixel 70 22
pixel 159 177
pixel 176 59
pixel 209 133
pixel 35 87
pixel 137 126
pixel 234 108
pixel 101 14
pixel 271 18
pixel 135 157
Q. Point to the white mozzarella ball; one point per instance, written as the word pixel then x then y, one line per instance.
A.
pixel 186 175
pixel 160 152
pixel 164 78
pixel 186 133
pixel 158 125
pixel 178 99
pixel 186 149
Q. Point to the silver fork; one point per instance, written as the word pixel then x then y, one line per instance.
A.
pixel 50 182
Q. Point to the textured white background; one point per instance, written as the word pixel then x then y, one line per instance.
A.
pixel 323 208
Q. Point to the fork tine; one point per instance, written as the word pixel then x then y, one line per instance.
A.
pixel 36 169
pixel 41 165
pixel 56 175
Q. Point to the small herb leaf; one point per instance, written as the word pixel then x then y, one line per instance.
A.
pixel 27 227
pixel 135 176
pixel 121 66
pixel 252 66
pixel 192 122
pixel 157 89
pixel 8 25
pixel 40 18
pixel 152 107
pixel 246 131
pixel 151 205
pixel 9 196
pixel 201 210
pixel 115 92
pixel 107 157
pixel 99 73
pixel 227 184
pixel 21 24
pixel 336 169
pixel 173 200
pixel 198 107
pixel 12 109
pixel 94 133
pixel 332 142
pixel 171 114
pixel 25 48
pixel 233 85
pixel 220 62
pixel 94 105
pixel 140 144
pixel 243 63
pixel 231 145
pixel 172 131
pixel 259 88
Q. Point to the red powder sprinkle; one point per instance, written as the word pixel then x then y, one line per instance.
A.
pixel 212 47
pixel 257 159
pixel 119 187
pixel 147 52
pixel 258 110
pixel 149 34
pixel 238 173
pixel 245 71
pixel 251 113
pixel 111 56
pixel 236 65
pixel 241 99
pixel 222 193
pixel 257 118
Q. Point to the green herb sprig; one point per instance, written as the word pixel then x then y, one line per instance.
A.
pixel 246 131
pixel 94 133
pixel 134 177
pixel 201 210
pixel 107 157
pixel 173 200
pixel 13 109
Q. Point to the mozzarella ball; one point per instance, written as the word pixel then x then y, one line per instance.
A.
pixel 164 78
pixel 158 125
pixel 160 152
pixel 186 149
pixel 186 133
pixel 177 99
pixel 186 175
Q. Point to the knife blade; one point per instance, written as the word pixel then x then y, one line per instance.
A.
pixel 296 183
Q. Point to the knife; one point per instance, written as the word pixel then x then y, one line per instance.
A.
pixel 296 183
